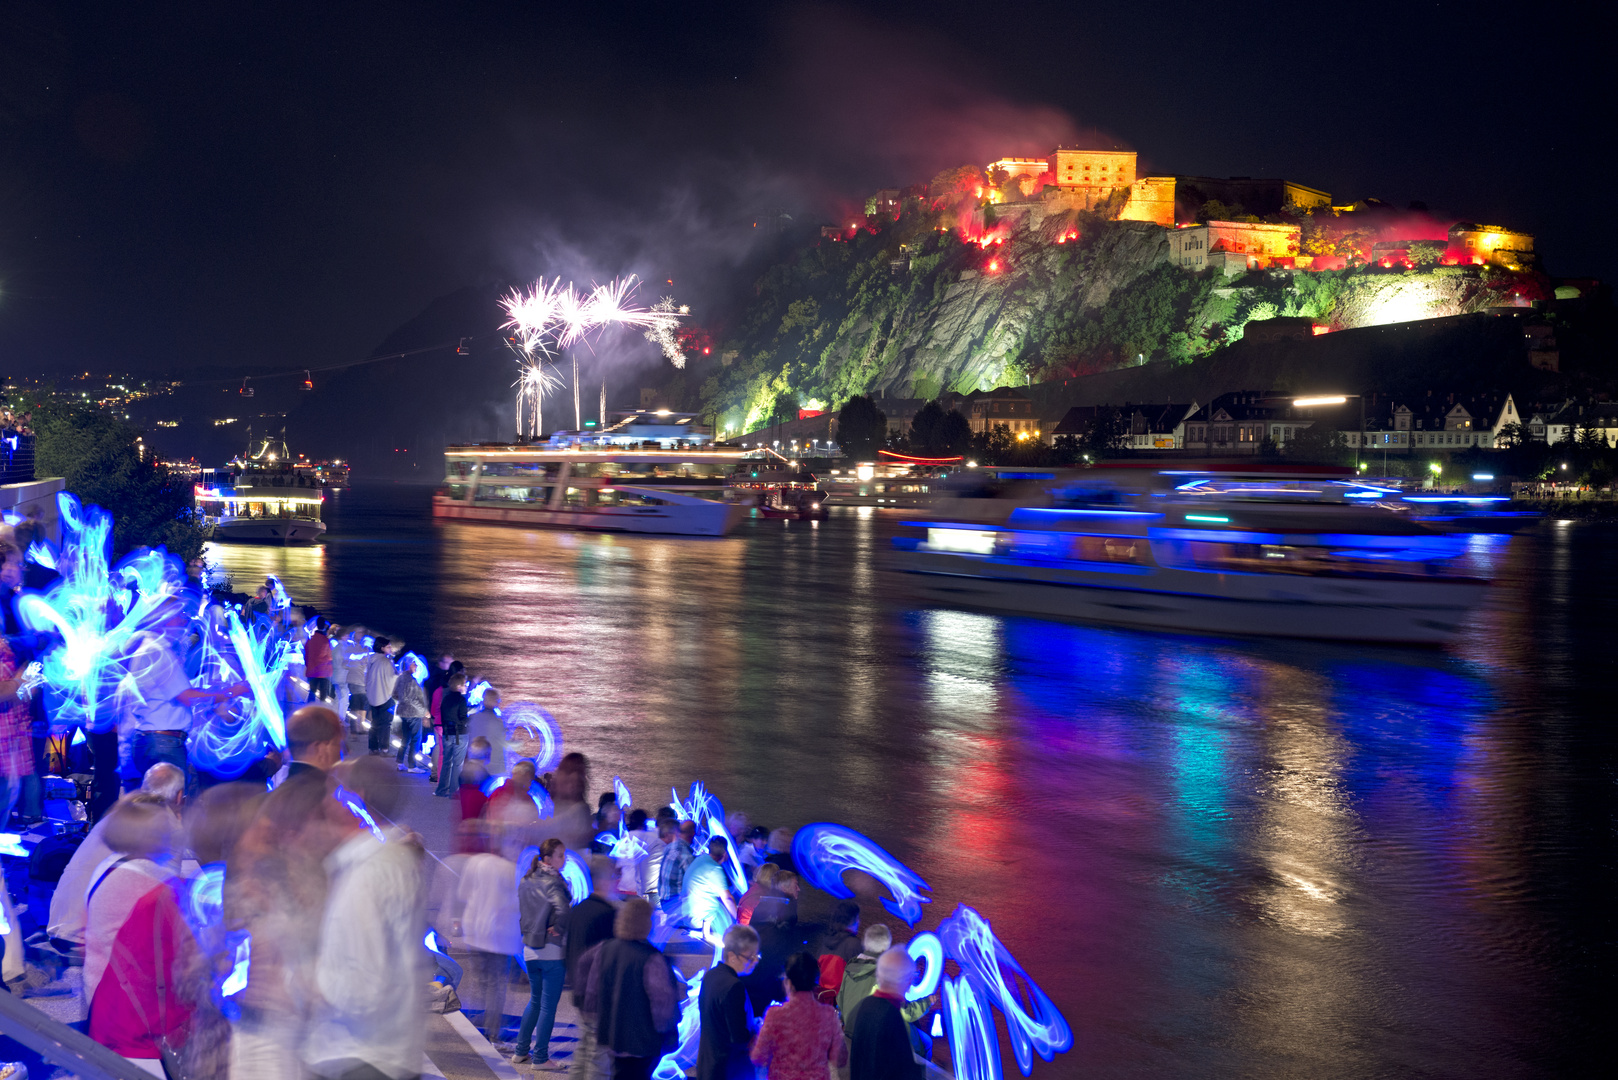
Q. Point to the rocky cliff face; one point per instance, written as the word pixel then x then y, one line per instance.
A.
pixel 911 315
pixel 930 303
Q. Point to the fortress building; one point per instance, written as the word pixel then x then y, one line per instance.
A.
pixel 1232 246
pixel 1469 242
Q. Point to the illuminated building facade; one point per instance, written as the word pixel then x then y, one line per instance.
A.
pixel 1470 242
pixel 1151 427
pixel 1089 177
pixel 1151 198
pixel 1019 166
pixel 1231 245
pixel 987 409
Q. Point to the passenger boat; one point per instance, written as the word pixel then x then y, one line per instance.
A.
pixel 779 492
pixel 1211 551
pixel 331 474
pixel 893 482
pixel 261 497
pixel 647 473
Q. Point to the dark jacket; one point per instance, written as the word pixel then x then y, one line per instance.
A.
pixel 837 941
pixel 452 710
pixel 589 923
pixel 880 1043
pixel 543 904
pixel 627 1013
pixel 727 1027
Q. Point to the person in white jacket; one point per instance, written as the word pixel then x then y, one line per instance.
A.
pixel 371 971
pixel 491 927
pixel 380 679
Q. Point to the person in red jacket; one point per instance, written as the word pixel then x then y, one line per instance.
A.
pixel 317 661
pixel 138 948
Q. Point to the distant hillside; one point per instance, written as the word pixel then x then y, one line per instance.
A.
pixel 911 308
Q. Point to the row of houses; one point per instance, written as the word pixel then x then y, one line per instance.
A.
pixel 1243 421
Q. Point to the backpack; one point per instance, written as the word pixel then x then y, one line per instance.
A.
pixel 831 978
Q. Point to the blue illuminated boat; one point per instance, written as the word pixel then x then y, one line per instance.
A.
pixel 1205 552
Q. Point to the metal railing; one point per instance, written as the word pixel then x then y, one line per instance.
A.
pixel 61 1045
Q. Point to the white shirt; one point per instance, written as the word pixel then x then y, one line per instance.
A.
pixel 67 902
pixel 380 678
pixel 490 919
pixel 158 677
pixel 372 967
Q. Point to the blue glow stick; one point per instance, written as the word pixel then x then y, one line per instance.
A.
pixel 926 950
pixel 823 851
pixel 974 1048
pixel 985 961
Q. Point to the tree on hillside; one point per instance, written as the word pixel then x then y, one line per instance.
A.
pixel 924 428
pixel 862 428
pixel 954 433
pixel 782 409
pixel 102 462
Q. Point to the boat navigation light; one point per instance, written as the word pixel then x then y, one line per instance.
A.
pixel 1333 399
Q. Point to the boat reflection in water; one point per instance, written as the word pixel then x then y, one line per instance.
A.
pixel 1286 552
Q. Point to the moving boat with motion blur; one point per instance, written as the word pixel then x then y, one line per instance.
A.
pixel 650 472
pixel 1291 553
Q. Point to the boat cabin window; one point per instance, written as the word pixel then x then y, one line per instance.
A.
pixel 1215 557
pixel 512 493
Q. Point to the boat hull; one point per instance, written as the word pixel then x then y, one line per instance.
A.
pixel 706 519
pixel 269 531
pixel 1412 612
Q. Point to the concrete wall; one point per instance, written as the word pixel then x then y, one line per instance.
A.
pixel 35 502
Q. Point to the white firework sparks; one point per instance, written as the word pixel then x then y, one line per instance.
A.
pixel 553 314
pixel 664 320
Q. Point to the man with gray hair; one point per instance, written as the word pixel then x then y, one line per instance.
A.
pixel 164 782
pixel 725 1011
pixel 877 1030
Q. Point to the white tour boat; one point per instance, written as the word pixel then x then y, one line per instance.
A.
pixel 261 497
pixel 650 472
pixel 1288 554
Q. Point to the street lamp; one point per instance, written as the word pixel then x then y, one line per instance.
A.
pixel 1338 399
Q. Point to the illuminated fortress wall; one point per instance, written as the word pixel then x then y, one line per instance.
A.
pixel 1088 177
pixel 1492 244
pixel 1252 245
pixel 1151 198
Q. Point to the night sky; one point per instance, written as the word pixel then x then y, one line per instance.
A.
pixel 244 187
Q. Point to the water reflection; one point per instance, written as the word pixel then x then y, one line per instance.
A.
pixel 1229 857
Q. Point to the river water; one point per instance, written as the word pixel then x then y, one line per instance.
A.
pixel 1219 857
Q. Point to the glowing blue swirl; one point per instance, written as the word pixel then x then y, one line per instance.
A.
pixel 823 851
pixel 576 872
pixel 926 950
pixel 205 903
pixel 684 1056
pixel 733 864
pixel 622 792
pixel 92 613
pixel 985 962
pixel 974 1048
pixel 528 720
